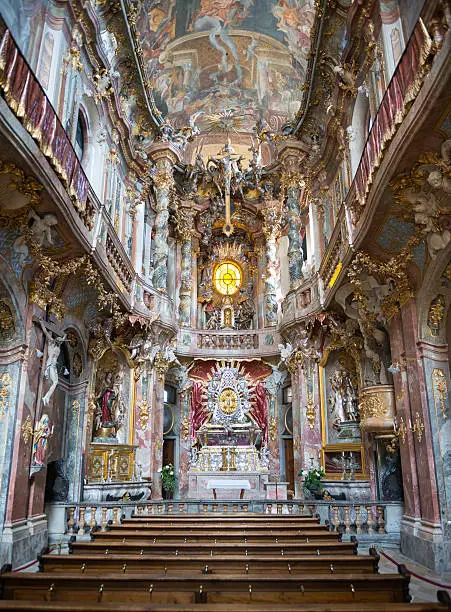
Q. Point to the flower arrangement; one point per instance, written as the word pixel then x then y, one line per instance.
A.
pixel 168 478
pixel 312 481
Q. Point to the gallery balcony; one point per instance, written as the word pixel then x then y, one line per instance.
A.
pixel 35 146
pixel 229 344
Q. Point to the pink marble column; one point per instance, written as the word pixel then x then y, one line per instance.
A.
pixel 297 412
pixel 310 415
pixel 185 443
pixel 157 434
pixel 418 469
pixel 419 405
pixel 274 448
pixel 143 422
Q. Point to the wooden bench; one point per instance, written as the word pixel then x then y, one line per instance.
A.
pixel 33 606
pixel 253 565
pixel 135 546
pixel 226 588
pixel 279 537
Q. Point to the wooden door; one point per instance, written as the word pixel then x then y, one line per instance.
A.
pixel 168 451
pixel 289 462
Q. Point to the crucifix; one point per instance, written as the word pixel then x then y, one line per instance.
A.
pixel 226 165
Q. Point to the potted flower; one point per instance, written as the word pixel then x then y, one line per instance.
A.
pixel 168 480
pixel 312 482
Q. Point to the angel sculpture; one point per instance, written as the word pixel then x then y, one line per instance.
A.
pixel 285 350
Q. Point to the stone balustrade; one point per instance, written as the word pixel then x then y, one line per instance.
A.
pixel 364 519
pixel 221 342
pixel 119 260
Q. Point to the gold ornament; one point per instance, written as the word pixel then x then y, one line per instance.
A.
pixel 310 412
pixel 440 391
pixel 143 415
pixel 272 429
pixel 27 429
pixel 228 401
pixel 185 427
pixel 5 381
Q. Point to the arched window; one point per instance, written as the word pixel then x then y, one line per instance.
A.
pixel 80 135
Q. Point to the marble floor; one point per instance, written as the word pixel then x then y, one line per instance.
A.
pixel 419 589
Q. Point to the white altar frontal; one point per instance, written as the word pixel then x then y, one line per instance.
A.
pixel 228 460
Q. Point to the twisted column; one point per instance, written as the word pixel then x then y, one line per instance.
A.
pixel 271 230
pixel 291 156
pixel 184 221
pixel 164 156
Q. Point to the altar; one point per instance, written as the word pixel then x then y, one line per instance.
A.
pixel 229 458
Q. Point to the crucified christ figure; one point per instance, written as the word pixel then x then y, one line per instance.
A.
pixel 53 352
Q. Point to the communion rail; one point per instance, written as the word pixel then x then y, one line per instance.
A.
pixel 365 519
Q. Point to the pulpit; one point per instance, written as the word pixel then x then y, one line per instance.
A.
pixel 229 459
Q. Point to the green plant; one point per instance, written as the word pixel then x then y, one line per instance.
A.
pixel 168 477
pixel 312 480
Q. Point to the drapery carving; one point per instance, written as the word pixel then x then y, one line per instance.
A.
pixel 403 88
pixel 259 410
pixel 198 413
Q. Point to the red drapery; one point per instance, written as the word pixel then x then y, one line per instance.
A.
pixel 402 89
pixel 26 98
pixel 259 411
pixel 198 412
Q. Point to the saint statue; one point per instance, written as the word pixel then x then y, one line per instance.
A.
pixel 40 440
pixel 344 400
pixel 105 401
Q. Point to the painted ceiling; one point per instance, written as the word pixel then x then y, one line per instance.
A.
pixel 204 56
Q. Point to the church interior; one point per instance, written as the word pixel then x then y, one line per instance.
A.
pixel 225 326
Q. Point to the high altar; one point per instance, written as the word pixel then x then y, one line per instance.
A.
pixel 229 459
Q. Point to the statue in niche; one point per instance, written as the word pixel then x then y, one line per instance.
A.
pixel 105 402
pixel 228 317
pixel 53 352
pixel 344 399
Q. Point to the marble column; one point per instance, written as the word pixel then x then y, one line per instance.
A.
pixel 293 216
pixel 291 156
pixel 185 441
pixel 160 368
pixel 271 230
pixel 309 427
pixel 164 156
pixel 184 221
pixel 137 219
pixel 421 530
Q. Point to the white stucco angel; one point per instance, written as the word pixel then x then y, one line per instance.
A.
pixel 285 350
pixel 41 227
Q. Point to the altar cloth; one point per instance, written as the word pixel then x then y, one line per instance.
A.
pixel 228 483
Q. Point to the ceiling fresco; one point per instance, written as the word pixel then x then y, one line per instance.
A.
pixel 203 56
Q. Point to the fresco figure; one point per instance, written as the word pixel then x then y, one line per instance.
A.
pixel 215 16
